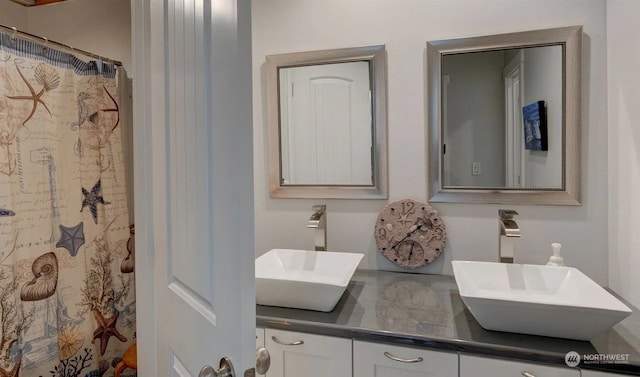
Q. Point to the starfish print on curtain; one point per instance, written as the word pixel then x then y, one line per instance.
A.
pixel 71 238
pixel 91 199
pixel 45 76
pixel 106 329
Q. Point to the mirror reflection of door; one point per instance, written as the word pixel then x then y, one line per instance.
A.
pixel 326 124
pixel 514 141
pixel 446 161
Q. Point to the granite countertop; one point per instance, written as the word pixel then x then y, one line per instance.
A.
pixel 427 311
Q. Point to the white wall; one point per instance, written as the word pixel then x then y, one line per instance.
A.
pixel 543 82
pixel 404 26
pixel 624 148
pixel 475 119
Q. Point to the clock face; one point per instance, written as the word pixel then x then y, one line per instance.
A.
pixel 409 233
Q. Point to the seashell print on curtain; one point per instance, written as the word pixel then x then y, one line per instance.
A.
pixel 67 299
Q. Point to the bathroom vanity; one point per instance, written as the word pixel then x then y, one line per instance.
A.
pixel 398 324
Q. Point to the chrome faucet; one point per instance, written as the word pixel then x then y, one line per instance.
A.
pixel 318 221
pixel 508 229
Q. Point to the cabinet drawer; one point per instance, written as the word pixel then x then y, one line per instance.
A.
pixel 474 366
pixel 381 360
pixel 300 354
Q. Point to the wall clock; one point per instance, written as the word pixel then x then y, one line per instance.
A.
pixel 409 233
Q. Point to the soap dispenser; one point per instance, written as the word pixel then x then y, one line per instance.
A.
pixel 556 259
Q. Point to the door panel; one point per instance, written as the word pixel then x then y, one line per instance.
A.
pixel 194 185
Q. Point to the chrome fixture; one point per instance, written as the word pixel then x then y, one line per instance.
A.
pixel 508 229
pixel 263 361
pixel 395 358
pixel 318 221
pixel 225 370
pixel 296 343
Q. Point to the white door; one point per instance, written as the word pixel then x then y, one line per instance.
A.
pixel 193 185
pixel 446 159
pixel 327 124
pixel 513 75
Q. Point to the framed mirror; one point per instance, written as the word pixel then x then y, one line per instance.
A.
pixel 327 124
pixel 504 118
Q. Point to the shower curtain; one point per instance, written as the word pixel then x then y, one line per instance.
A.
pixel 67 299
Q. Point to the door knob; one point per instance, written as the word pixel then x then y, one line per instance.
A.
pixel 225 369
pixel 263 360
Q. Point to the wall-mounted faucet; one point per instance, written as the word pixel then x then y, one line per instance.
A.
pixel 508 229
pixel 318 221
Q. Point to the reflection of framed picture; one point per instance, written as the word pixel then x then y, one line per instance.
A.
pixel 535 126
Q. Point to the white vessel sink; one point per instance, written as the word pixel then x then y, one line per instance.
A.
pixel 552 301
pixel 302 279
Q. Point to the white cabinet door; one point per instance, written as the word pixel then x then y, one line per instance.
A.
pixel 381 360
pixel 259 337
pixel 259 341
pixel 296 354
pixel 474 366
pixel 595 373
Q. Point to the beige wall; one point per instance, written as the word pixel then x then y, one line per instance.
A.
pixel 404 26
pixel 624 148
pixel 12 14
pixel 102 27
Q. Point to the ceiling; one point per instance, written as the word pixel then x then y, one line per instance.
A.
pixel 30 3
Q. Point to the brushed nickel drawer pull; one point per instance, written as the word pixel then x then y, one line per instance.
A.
pixel 527 374
pixel 394 358
pixel 296 343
